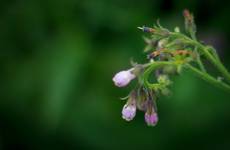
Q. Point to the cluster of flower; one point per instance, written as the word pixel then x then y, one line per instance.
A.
pixel 141 99
pixel 164 61
pixel 168 53
pixel 144 96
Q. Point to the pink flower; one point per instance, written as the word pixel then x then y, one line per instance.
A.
pixel 151 118
pixel 129 111
pixel 123 78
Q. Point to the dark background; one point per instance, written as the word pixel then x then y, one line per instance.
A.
pixel 58 58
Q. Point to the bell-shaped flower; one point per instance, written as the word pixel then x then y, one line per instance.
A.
pixel 129 109
pixel 151 118
pixel 129 112
pixel 123 78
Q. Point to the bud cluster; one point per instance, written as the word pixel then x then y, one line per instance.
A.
pixel 143 100
pixel 167 54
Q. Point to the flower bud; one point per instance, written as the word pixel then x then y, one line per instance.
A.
pixel 151 44
pixel 129 109
pixel 190 26
pixel 123 78
pixel 161 44
pixel 146 29
pixel 164 80
pixel 151 118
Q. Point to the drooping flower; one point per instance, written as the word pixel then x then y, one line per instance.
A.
pixel 129 112
pixel 123 78
pixel 129 109
pixel 151 118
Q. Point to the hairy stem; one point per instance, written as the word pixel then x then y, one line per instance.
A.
pixel 208 78
pixel 200 63
pixel 203 75
pixel 214 61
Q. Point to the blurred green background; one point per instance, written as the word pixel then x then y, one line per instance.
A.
pixel 58 58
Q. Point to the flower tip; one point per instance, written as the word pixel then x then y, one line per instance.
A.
pixel 116 83
pixel 151 119
pixel 128 112
pixel 127 119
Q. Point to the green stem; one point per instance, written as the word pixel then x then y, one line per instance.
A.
pixel 200 63
pixel 214 61
pixel 212 58
pixel 214 53
pixel 208 78
pixel 205 76
pixel 153 66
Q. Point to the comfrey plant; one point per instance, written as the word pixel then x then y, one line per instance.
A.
pixel 168 53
